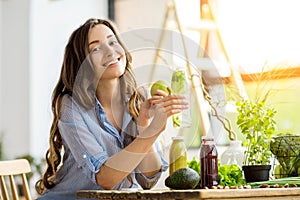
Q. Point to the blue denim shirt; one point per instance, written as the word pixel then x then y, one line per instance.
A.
pixel 89 140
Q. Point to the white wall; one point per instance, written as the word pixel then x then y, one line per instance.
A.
pixel 33 34
pixel 15 77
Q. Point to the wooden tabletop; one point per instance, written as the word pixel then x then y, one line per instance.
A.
pixel 166 194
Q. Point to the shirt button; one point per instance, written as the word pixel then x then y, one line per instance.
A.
pixel 84 156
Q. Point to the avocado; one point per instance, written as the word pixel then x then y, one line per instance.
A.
pixel 184 178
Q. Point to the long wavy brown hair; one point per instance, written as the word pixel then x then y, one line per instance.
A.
pixel 75 58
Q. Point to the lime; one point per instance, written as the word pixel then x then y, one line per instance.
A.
pixel 159 85
pixel 176 120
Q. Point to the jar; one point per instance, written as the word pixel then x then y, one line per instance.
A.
pixel 208 162
pixel 177 154
pixel 234 154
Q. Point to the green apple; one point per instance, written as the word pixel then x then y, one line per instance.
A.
pixel 159 85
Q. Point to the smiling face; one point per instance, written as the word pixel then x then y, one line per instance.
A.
pixel 107 55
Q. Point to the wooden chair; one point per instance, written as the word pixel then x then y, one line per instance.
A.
pixel 12 168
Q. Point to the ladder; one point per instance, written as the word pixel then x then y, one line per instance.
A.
pixel 196 77
pixel 192 74
pixel 208 16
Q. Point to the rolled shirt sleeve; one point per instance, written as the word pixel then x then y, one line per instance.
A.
pixel 86 149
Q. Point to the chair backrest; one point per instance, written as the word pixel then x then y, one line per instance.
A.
pixel 12 168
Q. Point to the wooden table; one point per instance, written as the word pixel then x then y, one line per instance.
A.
pixel 165 194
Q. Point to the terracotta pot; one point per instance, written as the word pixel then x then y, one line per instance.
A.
pixel 255 173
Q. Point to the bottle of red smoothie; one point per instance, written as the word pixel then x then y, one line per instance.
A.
pixel 208 162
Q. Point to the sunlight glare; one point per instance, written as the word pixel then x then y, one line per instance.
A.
pixel 260 31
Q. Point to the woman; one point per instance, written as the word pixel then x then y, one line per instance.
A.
pixel 103 126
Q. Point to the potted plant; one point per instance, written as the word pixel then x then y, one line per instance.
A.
pixel 256 122
pixel 285 147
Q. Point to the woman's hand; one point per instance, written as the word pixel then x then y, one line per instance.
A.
pixel 145 113
pixel 161 106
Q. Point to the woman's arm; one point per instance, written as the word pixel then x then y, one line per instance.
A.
pixel 151 164
pixel 118 166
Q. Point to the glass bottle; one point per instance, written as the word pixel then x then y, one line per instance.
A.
pixel 177 154
pixel 179 85
pixel 208 162
pixel 234 154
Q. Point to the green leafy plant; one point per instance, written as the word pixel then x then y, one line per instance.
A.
pixel 194 164
pixel 256 122
pixel 286 148
pixel 230 175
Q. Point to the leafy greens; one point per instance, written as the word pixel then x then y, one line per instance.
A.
pixel 230 175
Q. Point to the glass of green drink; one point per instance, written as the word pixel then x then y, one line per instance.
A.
pixel 179 85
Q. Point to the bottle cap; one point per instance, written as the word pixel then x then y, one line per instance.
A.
pixel 178 137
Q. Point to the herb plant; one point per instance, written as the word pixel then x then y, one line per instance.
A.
pixel 230 175
pixel 256 122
